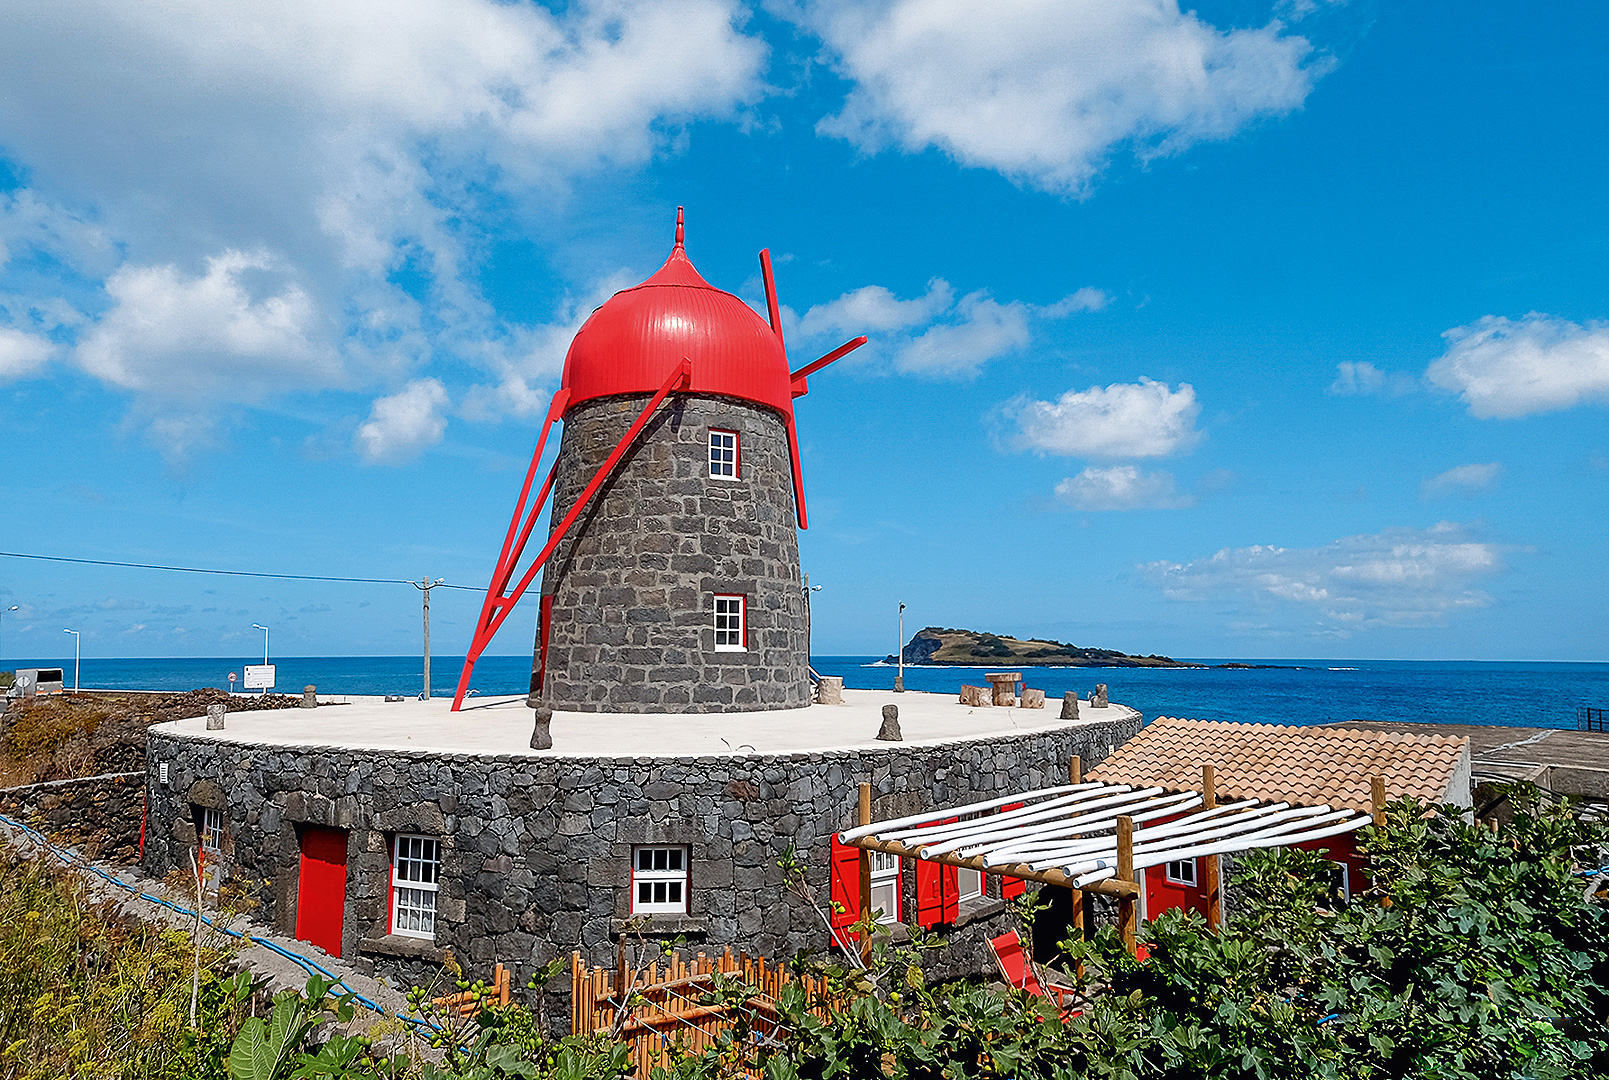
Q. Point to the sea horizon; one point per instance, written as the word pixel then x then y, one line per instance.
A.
pixel 1288 690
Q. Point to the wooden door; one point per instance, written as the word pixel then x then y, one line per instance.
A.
pixel 321 891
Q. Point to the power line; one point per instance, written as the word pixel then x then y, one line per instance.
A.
pixel 227 573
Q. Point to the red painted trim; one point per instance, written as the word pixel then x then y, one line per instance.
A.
pixel 391 890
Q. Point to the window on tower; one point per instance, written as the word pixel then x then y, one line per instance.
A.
pixel 723 454
pixel 731 624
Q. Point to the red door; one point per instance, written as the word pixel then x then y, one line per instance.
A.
pixel 321 893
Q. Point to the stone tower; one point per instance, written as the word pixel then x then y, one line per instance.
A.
pixel 670 577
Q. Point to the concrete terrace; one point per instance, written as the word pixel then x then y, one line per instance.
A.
pixel 502 726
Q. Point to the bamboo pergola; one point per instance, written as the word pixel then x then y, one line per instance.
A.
pixel 1096 837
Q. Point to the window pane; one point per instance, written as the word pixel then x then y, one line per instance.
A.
pixel 675 858
pixel 645 892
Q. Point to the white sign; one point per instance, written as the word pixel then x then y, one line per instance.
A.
pixel 259 676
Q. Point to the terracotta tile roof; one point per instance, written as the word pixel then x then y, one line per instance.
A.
pixel 1276 763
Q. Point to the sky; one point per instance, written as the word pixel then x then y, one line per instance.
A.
pixel 1246 330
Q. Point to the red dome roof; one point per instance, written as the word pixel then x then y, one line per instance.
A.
pixel 634 341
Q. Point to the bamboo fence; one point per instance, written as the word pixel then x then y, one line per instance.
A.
pixel 664 1007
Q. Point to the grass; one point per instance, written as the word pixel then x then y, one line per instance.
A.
pixel 88 992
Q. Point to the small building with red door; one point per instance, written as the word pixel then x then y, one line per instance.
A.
pixel 1306 766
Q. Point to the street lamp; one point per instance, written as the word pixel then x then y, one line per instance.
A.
pixel 75 658
pixel 899 680
pixel 264 629
pixel 3 611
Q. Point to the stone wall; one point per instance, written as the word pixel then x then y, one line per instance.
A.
pixel 100 815
pixel 632 587
pixel 536 851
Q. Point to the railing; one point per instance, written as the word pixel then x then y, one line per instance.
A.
pixel 670 1006
pixel 1592 718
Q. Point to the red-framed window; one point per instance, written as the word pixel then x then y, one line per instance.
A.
pixel 731 622
pixel 659 879
pixel 726 455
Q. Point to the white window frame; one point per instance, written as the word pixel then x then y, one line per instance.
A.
pixel 415 882
pixel 722 615
pixel 968 884
pixel 1176 872
pixel 1345 875
pixel 211 832
pixel 885 880
pixel 668 888
pixel 719 449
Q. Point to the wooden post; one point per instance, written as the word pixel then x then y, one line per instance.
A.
pixel 1377 798
pixel 865 871
pixel 1127 911
pixel 1075 770
pixel 1075 775
pixel 1213 870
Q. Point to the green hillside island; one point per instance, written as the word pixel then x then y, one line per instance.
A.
pixel 972 648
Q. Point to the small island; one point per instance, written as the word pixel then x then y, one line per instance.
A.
pixel 970 648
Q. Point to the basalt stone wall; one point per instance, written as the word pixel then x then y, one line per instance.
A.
pixel 632 587
pixel 537 850
pixel 100 815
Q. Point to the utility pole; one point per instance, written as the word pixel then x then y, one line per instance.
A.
pixel 75 658
pixel 899 680
pixel 424 586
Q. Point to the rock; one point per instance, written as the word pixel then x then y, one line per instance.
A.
pixel 889 732
pixel 976 696
pixel 1033 699
pixel 215 715
pixel 309 699
pixel 541 737
pixel 1069 705
pixel 1100 696
pixel 830 690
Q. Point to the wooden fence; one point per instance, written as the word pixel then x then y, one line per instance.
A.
pixel 664 1006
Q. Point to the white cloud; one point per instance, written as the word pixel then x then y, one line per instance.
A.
pixel 347 145
pixel 935 334
pixel 1122 487
pixel 405 424
pixel 1466 478
pixel 237 331
pixel 1045 90
pixel 1506 367
pixel 1123 420
pixel 1400 577
pixel 22 353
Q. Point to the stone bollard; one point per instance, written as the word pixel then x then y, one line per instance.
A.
pixel 830 690
pixel 309 697
pixel 1032 699
pixel 542 737
pixel 1100 696
pixel 976 696
pixel 889 732
pixel 215 715
pixel 1069 705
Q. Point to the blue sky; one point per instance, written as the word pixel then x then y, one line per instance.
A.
pixel 1248 330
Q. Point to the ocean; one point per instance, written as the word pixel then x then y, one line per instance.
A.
pixel 1297 692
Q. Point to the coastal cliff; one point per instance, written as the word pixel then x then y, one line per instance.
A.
pixel 935 645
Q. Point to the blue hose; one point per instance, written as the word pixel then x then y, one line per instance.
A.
pixel 309 966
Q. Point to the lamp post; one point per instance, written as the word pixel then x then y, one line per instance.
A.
pixel 424 588
pixel 264 629
pixel 3 611
pixel 899 680
pixel 75 658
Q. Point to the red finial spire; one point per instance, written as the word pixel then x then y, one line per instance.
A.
pixel 679 228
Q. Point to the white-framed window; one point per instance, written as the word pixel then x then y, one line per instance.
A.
pixel 885 886
pixel 659 880
pixel 1182 872
pixel 211 833
pixel 724 459
pixel 969 884
pixel 1341 874
pixel 415 876
pixel 731 623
